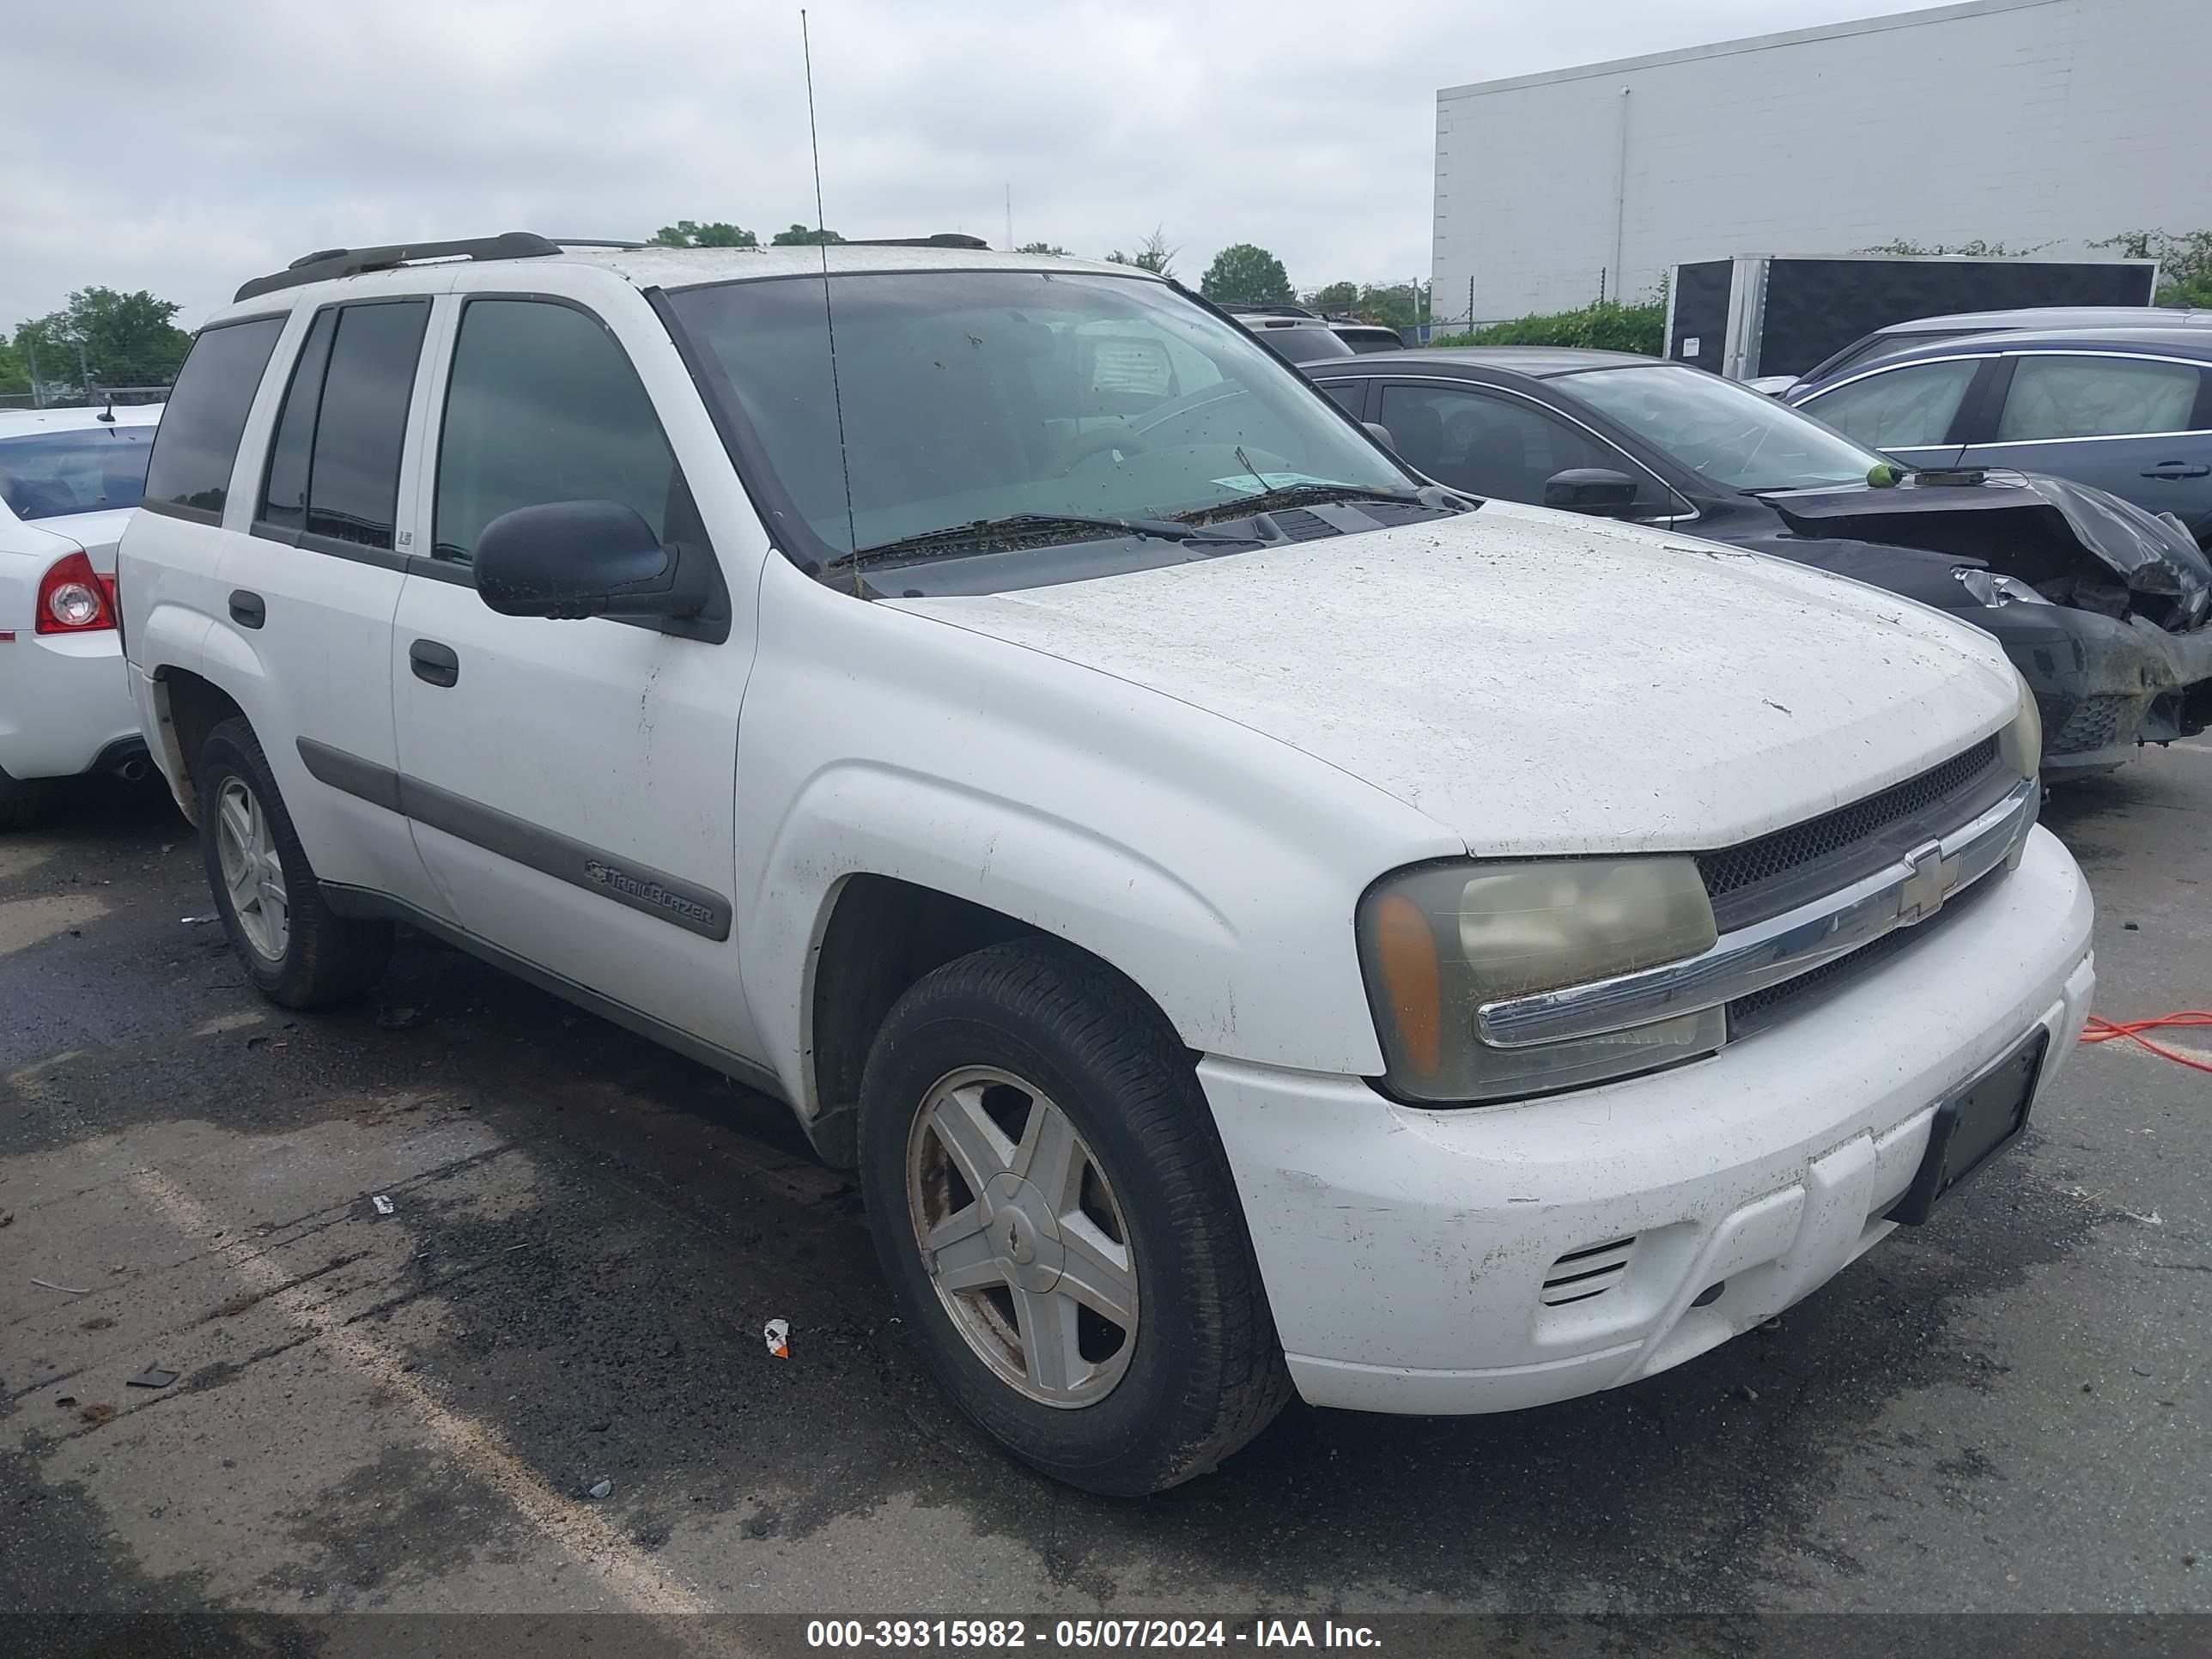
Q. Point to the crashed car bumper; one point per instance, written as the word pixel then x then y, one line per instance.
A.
pixel 1490 1258
pixel 2103 685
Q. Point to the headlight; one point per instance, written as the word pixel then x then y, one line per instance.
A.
pixel 2019 746
pixel 1995 591
pixel 1438 941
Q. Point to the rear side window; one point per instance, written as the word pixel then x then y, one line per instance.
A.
pixel 2096 398
pixel 333 472
pixel 543 406
pixel 1908 408
pixel 189 476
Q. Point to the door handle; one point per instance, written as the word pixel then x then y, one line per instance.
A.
pixel 2177 470
pixel 434 662
pixel 248 609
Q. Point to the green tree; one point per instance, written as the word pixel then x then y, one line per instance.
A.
pixel 15 373
pixel 1242 274
pixel 1337 296
pixel 689 232
pixel 107 338
pixel 800 236
pixel 1153 254
pixel 1605 325
pixel 1044 248
pixel 2184 262
pixel 1977 249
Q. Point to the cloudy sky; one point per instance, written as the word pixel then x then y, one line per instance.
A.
pixel 182 147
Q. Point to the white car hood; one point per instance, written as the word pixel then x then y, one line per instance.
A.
pixel 1537 683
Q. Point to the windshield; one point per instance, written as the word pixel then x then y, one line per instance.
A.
pixel 983 395
pixel 51 474
pixel 1723 432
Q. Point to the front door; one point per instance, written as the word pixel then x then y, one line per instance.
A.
pixel 571 784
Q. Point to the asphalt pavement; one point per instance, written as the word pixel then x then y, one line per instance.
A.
pixel 2005 1410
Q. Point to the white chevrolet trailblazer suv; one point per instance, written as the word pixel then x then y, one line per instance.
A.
pixel 69 480
pixel 1257 922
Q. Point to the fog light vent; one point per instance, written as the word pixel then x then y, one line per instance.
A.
pixel 1581 1275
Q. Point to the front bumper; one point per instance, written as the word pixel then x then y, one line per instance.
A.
pixel 1414 1256
pixel 2103 685
pixel 64 703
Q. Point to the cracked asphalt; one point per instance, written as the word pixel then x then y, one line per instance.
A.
pixel 2006 1410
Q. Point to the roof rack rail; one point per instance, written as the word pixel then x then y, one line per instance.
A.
pixel 330 262
pixel 943 238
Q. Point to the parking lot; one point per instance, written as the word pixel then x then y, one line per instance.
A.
pixel 2003 1410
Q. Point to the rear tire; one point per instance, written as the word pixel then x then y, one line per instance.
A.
pixel 1081 1118
pixel 295 949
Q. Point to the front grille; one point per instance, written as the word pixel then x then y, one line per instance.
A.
pixel 1750 1015
pixel 2094 724
pixel 1581 1275
pixel 1760 879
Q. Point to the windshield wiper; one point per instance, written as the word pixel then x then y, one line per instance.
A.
pixel 1024 525
pixel 1289 494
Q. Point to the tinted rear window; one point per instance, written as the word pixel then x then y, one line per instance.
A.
pixel 1303 345
pixel 190 473
pixel 51 474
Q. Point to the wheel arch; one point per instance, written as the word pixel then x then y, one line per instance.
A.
pixel 187 707
pixel 879 934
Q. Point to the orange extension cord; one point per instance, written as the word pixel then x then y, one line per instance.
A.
pixel 2105 1031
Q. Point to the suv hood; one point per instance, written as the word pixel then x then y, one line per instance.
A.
pixel 2075 544
pixel 1537 683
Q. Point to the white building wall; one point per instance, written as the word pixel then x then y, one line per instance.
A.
pixel 2018 121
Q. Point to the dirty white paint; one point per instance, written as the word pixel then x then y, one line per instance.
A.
pixel 24 922
pixel 628 1572
pixel 1542 684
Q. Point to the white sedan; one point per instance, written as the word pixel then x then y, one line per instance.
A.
pixel 69 480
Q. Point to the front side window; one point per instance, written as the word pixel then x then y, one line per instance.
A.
pixel 976 395
pixel 189 476
pixel 2096 398
pixel 1908 408
pixel 543 406
pixel 51 474
pixel 1490 444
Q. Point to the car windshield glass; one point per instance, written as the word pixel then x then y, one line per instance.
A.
pixel 972 396
pixel 1722 431
pixel 51 474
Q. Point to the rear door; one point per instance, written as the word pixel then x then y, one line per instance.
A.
pixel 310 593
pixel 2138 426
pixel 1919 412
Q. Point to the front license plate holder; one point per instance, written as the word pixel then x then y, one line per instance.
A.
pixel 1972 1125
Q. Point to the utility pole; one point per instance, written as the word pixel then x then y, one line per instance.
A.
pixel 83 373
pixel 31 346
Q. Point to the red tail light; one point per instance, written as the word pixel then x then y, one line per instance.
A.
pixel 75 599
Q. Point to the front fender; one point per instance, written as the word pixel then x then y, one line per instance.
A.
pixel 1218 869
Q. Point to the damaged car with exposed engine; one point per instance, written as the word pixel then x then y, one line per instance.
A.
pixel 2105 608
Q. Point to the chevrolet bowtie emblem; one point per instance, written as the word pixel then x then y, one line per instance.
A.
pixel 1930 883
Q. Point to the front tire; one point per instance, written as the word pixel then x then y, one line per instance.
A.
pixel 1059 1224
pixel 296 950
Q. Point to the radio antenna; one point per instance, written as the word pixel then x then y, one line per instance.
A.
pixel 829 315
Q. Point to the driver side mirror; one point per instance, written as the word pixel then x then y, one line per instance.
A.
pixel 1595 490
pixel 577 559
